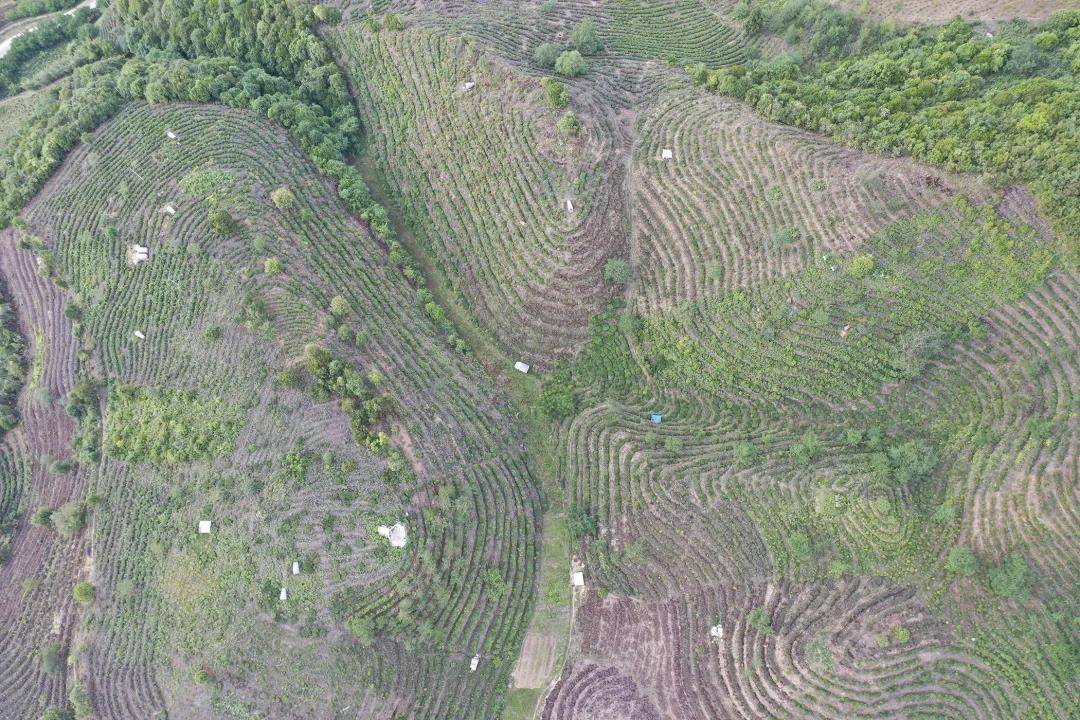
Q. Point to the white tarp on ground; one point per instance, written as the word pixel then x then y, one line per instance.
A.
pixel 396 534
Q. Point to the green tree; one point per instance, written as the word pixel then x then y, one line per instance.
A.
pixel 754 22
pixel 51 656
pixel 759 620
pixel 273 266
pixel 745 452
pixel 546 54
pixel 569 125
pixel 326 14
pixel 557 399
pixel 556 93
pixel 570 63
pixel 962 561
pixel 222 222
pixel 911 462
pixel 801 547
pixel 860 266
pixel 339 306
pixel 70 518
pixel 585 38
pixel 1012 578
pixel 807 449
pixel 283 199
pixel 55 713
pixel 394 22
pixel 42 518
pixel 84 593
pixel 617 270
pixel 362 630
pixel 80 701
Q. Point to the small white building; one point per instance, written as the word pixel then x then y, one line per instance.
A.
pixel 137 254
pixel 169 210
pixel 521 367
pixel 295 568
pixel 569 205
pixel 475 663
pixel 666 154
pixel 204 527
pixel 139 334
pixel 577 579
pixel 467 86
pixel 284 594
pixel 170 134
pixel 717 631
pixel 396 534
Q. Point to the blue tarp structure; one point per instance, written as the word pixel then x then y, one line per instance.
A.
pixel 656 418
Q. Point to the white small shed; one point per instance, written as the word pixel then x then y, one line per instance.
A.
pixel 467 86
pixel 569 205
pixel 169 210
pixel 396 534
pixel 204 527
pixel 578 579
pixel 475 663
pixel 137 254
pixel 717 631
pixel 139 334
pixel 666 154
pixel 295 568
pixel 284 594
pixel 521 367
pixel 170 134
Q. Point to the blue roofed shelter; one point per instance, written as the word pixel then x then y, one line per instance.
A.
pixel 656 418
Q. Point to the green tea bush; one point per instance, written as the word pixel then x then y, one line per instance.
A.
pixel 570 63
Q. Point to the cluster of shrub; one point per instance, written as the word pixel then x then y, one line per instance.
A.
pixel 11 367
pixel 48 34
pixel 954 95
pixel 333 377
pixel 33 8
pixel 570 61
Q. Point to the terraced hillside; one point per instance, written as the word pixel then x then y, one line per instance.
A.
pixel 740 202
pixel 799 438
pixel 510 211
pixel 729 547
pixel 924 11
pixel 280 469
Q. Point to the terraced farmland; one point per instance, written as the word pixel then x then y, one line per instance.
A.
pixel 741 202
pixel 520 234
pixel 797 431
pixel 677 31
pixel 924 11
pixel 155 567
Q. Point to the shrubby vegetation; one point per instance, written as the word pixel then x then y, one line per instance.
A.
pixel 570 63
pixel 48 34
pixel 83 593
pixel 31 8
pixel 11 367
pixel 585 38
pixel 922 296
pixel 949 95
pixel 334 377
pixel 166 426
pixel 269 42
